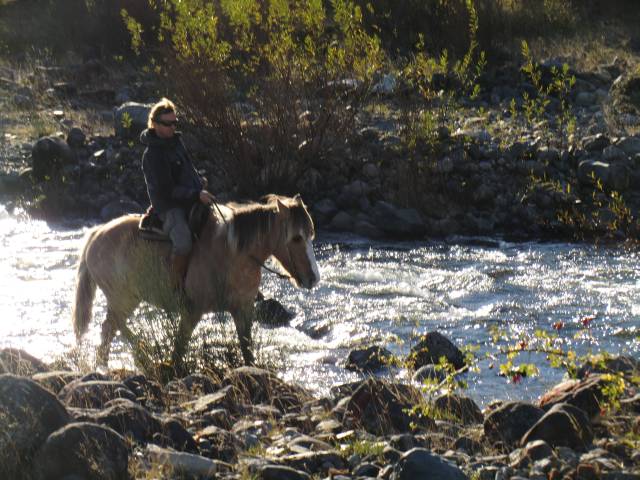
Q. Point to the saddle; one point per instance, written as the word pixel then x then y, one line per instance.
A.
pixel 150 225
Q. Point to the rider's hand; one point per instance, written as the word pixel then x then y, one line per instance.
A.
pixel 206 197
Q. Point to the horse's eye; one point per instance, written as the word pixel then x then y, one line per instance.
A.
pixel 298 238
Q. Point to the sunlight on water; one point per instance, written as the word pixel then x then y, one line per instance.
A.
pixel 371 292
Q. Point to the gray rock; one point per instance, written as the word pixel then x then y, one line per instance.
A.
pixel 93 394
pixel 324 210
pixel 629 145
pixel 429 372
pixel 56 380
pixel 398 222
pixel 368 359
pixel 76 138
pixel 589 171
pixel 612 153
pixel 19 362
pixel 595 143
pixel 509 422
pixel 563 425
pixel 279 472
pixel 421 463
pixel 463 408
pixel 367 229
pixel 83 450
pixel 433 346
pixel 272 313
pixel 129 419
pixel 130 119
pixel 29 414
pixel 48 156
pixel 342 222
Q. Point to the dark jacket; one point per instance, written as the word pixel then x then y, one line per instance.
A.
pixel 172 181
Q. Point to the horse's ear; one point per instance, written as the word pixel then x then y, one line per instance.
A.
pixel 298 199
pixel 281 208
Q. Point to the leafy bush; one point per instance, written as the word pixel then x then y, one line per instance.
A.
pixel 275 84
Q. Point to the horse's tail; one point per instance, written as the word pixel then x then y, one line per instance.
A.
pixel 85 293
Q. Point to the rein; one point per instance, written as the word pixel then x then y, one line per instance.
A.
pixel 260 264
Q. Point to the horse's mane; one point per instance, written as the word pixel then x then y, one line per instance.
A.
pixel 252 221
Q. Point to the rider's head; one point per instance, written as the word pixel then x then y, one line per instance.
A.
pixel 162 118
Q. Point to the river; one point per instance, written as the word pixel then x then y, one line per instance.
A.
pixel 370 292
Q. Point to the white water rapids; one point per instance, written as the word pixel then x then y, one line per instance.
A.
pixel 370 292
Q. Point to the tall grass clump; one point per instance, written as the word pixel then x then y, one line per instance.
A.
pixel 275 84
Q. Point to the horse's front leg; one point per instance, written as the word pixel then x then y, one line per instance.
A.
pixel 188 321
pixel 243 318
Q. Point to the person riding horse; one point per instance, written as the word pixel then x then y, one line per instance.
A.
pixel 173 184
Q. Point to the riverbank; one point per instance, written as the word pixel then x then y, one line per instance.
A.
pixel 495 169
pixel 250 424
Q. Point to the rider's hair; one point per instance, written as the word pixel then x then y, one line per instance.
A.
pixel 162 107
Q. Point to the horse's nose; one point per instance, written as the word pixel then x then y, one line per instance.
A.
pixel 313 280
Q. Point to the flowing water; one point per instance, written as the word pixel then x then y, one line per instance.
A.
pixel 370 292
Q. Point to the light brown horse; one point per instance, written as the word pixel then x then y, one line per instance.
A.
pixel 224 268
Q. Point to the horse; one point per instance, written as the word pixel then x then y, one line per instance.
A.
pixel 224 270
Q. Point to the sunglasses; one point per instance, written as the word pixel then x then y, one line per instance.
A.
pixel 170 123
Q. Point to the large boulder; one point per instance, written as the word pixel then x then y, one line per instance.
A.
pixel 462 408
pixel 585 394
pixel 129 419
pixel 19 362
pixel 48 156
pixel 397 222
pixel 433 346
pixel 262 386
pixel 130 119
pixel 28 415
pixel 381 407
pixel 421 463
pixel 368 359
pixel 509 422
pixel 562 426
pixel 622 108
pixel 93 394
pixel 83 450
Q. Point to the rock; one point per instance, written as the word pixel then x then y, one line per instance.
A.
pixel 342 222
pixel 509 422
pixel 429 372
pixel 178 437
pixel 367 229
pixel 595 143
pixel 462 408
pixel 48 156
pixel 386 86
pixel 369 359
pixel 184 465
pixel 28 415
pixel 612 153
pixel 562 426
pixel 225 445
pixel 129 419
pixel 619 364
pixel 279 472
pixel 622 109
pixel 118 208
pixel 271 313
pixel 366 469
pixel 94 394
pixel 584 394
pixel 76 138
pixel 397 222
pixel 130 119
pixel 381 407
pixel 433 346
pixel 629 145
pixel 83 450
pixel 262 386
pixel 313 462
pixel 324 210
pixel 56 380
pixel 590 171
pixel 421 463
pixel 19 362
pixel 145 390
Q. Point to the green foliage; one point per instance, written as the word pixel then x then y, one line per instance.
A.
pixel 275 84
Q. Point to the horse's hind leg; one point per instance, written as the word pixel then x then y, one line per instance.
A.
pixel 116 320
pixel 188 321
